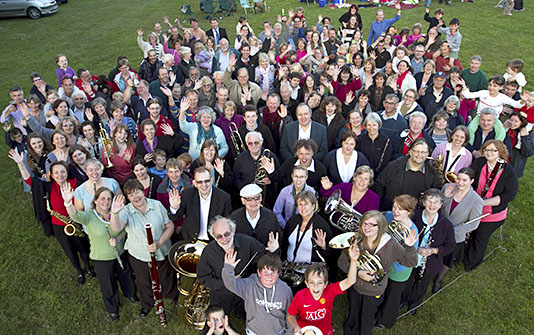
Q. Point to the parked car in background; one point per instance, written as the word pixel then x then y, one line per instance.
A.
pixel 34 9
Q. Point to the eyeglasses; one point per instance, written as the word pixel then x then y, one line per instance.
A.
pixel 253 143
pixel 131 194
pixel 225 235
pixel 368 224
pixel 419 153
pixel 490 150
pixel 69 125
pixel 251 199
pixel 389 103
pixel 200 182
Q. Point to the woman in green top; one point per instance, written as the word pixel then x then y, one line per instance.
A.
pixel 107 248
pixel 403 207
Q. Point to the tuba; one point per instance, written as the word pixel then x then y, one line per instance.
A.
pixel 239 146
pixel 398 231
pixel 349 218
pixel 260 170
pixel 194 298
pixel 106 146
pixel 367 261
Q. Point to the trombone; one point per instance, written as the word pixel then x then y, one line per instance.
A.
pixel 239 146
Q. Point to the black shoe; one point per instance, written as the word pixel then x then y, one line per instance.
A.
pixel 81 278
pixel 91 272
pixel 436 287
pixel 379 326
pixel 414 311
pixel 134 299
pixel 114 317
pixel 144 312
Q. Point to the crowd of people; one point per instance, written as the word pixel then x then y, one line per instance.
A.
pixel 240 144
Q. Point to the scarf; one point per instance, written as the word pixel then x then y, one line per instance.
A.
pixel 203 134
pixel 401 78
pixel 514 136
pixel 271 118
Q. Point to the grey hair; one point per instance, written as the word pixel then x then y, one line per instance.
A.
pixel 254 133
pixel 432 193
pixel 206 110
pixel 220 218
pixel 430 61
pixel 277 24
pixel 262 56
pixel 489 111
pixel 418 114
pixel 95 162
pixel 477 58
pixel 99 101
pixel 217 73
pixel 79 92
pixel 393 96
pixel 185 50
pixel 167 58
pixel 453 98
pixel 373 117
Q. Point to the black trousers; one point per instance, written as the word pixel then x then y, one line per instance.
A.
pixel 457 255
pixel 417 287
pixel 362 309
pixel 167 281
pixel 108 272
pixel 73 245
pixel 389 309
pixel 476 247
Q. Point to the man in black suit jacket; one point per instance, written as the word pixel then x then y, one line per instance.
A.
pixel 292 133
pixel 216 29
pixel 199 205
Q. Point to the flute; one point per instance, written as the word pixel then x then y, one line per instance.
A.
pixel 115 251
pixel 475 219
pixel 154 277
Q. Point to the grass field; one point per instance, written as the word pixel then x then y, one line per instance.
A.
pixel 39 294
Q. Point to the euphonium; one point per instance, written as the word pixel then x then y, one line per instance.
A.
pixel 239 146
pixel 260 170
pixel 71 227
pixel 106 146
pixel 194 298
pixel 366 261
pixel 398 231
pixel 349 218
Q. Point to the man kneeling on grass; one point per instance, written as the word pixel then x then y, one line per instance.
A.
pixel 266 296
pixel 313 305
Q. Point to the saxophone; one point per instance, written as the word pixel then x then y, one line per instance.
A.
pixel 71 227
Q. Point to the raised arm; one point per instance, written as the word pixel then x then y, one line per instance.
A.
pixel 116 206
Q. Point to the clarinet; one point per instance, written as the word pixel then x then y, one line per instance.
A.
pixel 115 251
pixel 154 277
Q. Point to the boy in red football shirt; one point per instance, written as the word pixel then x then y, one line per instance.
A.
pixel 313 305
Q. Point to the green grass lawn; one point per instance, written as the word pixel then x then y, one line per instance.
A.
pixel 39 294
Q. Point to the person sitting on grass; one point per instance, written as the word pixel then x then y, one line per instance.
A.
pixel 313 305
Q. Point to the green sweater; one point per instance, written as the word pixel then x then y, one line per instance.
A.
pixel 98 236
pixel 475 81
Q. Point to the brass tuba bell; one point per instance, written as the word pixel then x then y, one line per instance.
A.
pixel 347 219
pixel 194 298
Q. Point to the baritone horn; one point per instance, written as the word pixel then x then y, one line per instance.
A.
pixel 342 215
pixel 398 231
pixel 237 141
pixel 194 298
pixel 261 173
pixel 366 262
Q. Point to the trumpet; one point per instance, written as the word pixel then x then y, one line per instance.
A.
pixel 260 170
pixel 239 146
pixel 107 148
pixel 349 219
pixel 366 262
pixel 72 228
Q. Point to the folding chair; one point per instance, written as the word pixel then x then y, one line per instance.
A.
pixel 245 5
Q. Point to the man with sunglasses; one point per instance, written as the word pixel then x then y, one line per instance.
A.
pixel 227 242
pixel 198 205
pixel 253 219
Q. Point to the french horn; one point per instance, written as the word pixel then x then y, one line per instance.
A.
pixel 366 262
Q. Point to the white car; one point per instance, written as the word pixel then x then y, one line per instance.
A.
pixel 31 8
